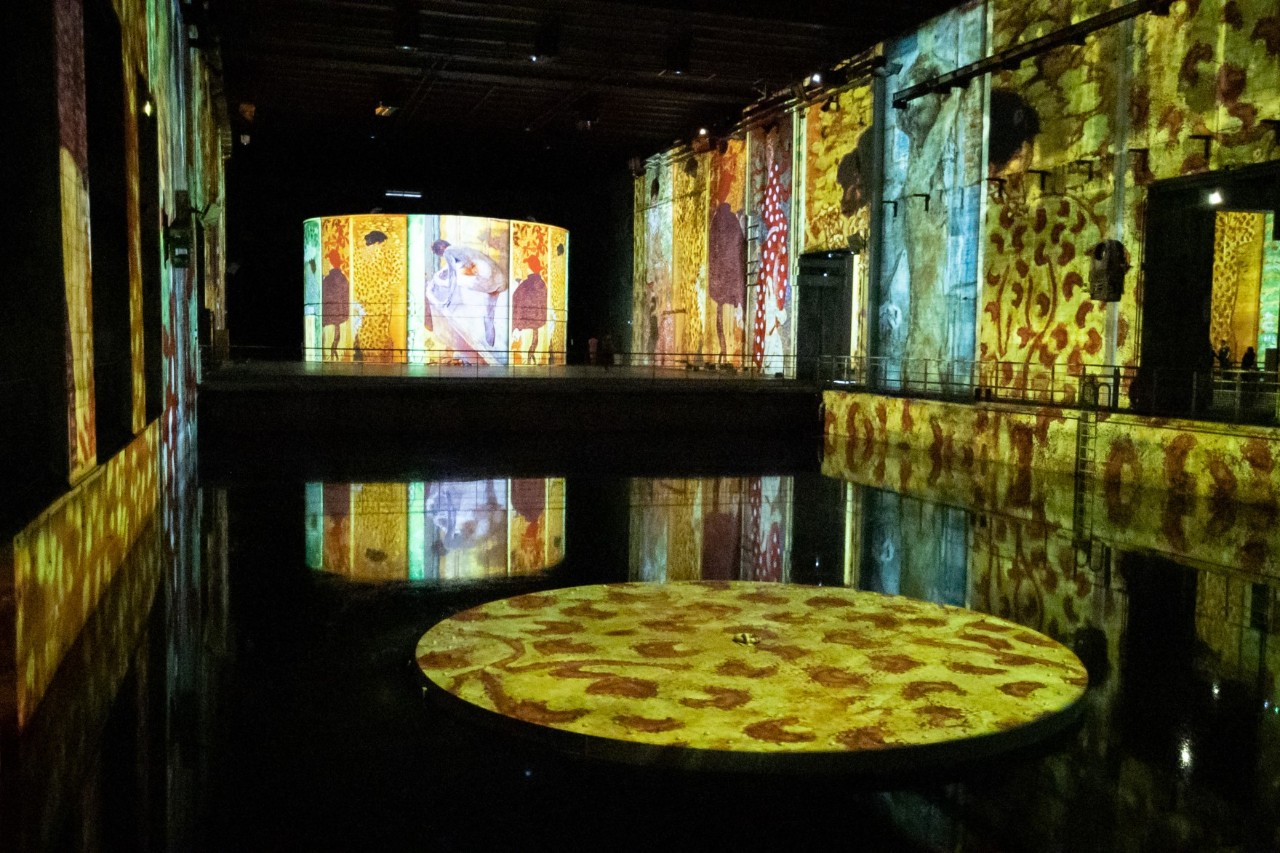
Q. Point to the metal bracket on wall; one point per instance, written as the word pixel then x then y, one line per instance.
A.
pixel 1207 139
pixel 1012 57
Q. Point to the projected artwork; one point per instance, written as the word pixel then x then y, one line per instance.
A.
pixel 772 339
pixel 926 307
pixel 723 528
pixel 427 289
pixel 1056 117
pixel 754 668
pixel 726 255
pixel 652 329
pixel 73 167
pixel 838 168
pixel 1238 243
pixel 454 530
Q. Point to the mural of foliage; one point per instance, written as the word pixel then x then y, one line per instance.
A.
pixel 689 243
pixel 933 147
pixel 838 163
pixel 1055 115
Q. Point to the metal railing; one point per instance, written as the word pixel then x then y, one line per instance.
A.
pixel 492 363
pixel 1233 396
pixel 1230 395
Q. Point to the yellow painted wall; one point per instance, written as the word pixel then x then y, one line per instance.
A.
pixel 64 560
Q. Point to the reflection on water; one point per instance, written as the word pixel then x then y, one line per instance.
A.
pixel 712 528
pixel 448 530
pixel 258 704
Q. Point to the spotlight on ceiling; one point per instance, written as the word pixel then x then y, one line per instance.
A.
pixel 678 50
pixel 702 131
pixel 1215 197
pixel 404 25
pixel 815 79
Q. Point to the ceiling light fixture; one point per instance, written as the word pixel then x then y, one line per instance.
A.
pixel 1215 197
pixel 404 25
pixel 384 110
pixel 678 52
pixel 403 194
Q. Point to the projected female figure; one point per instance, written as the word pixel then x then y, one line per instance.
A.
pixel 335 301
pixel 469 516
pixel 727 251
pixel 529 305
pixel 468 284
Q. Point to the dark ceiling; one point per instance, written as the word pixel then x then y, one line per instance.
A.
pixel 629 75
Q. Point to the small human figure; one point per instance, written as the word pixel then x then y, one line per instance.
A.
pixel 1249 375
pixel 606 351
pixel 1224 356
pixel 593 349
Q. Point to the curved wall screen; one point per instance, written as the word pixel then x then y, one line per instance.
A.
pixel 428 289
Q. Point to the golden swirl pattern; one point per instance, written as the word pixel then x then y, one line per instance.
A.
pixel 832 670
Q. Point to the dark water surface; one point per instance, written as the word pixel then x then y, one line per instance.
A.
pixel 260 691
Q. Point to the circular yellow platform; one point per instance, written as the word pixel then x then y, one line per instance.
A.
pixel 752 675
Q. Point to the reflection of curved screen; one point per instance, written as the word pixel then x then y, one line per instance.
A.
pixel 427 289
pixel 454 530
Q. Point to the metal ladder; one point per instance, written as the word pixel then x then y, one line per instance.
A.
pixel 1085 480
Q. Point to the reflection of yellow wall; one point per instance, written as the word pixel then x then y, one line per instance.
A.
pixel 1238 240
pixel 1224 608
pixel 1187 457
pixel 1183 457
pixel 64 559
pixel 380 531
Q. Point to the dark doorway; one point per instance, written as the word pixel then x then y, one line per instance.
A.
pixel 149 226
pixel 109 235
pixel 1178 280
pixel 824 293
